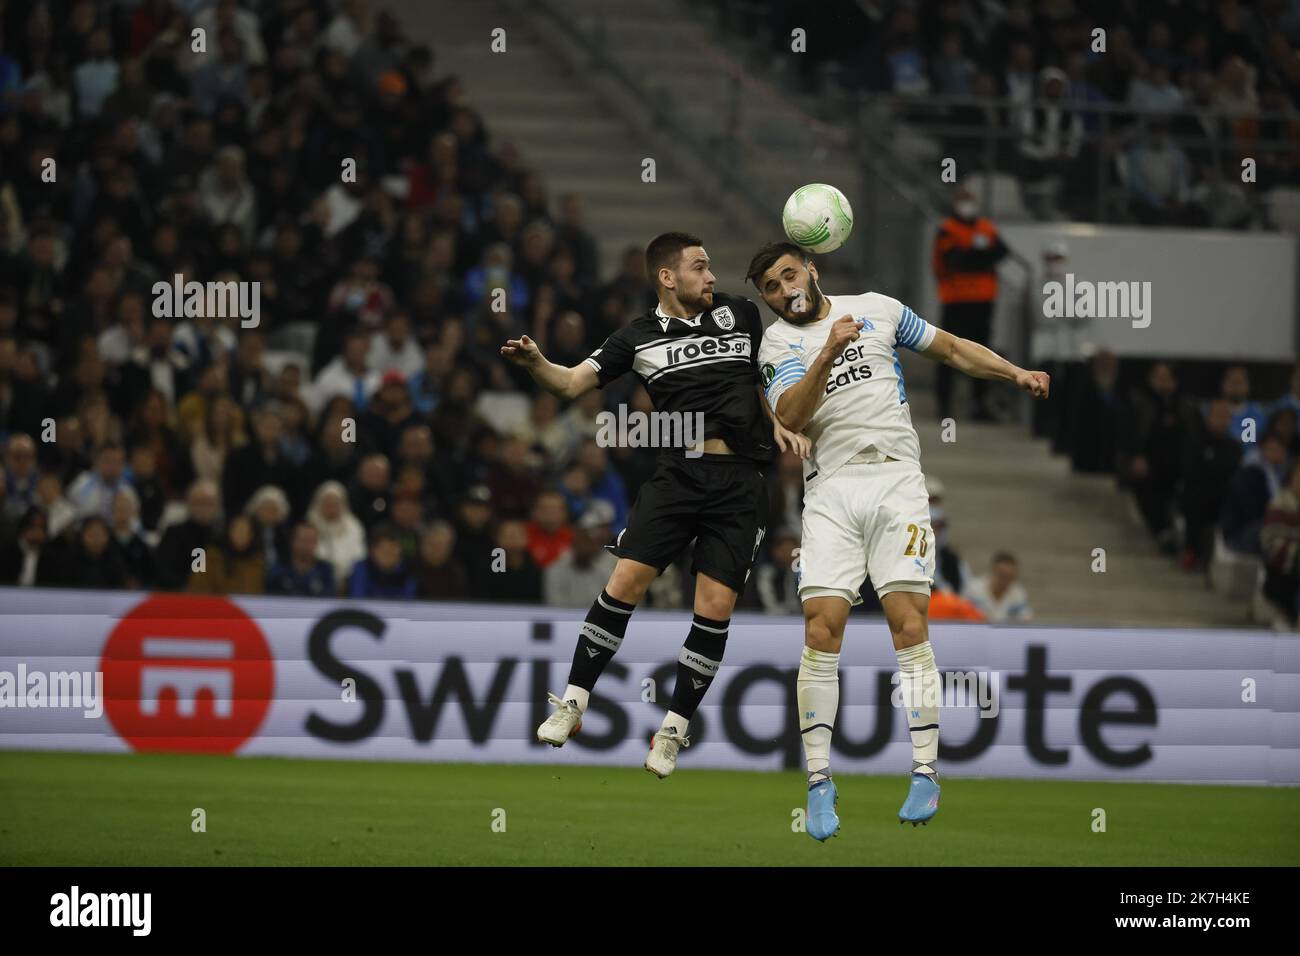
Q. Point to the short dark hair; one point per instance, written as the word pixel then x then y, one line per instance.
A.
pixel 767 257
pixel 665 251
pixel 1005 557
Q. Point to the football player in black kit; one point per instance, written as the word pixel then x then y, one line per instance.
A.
pixel 696 353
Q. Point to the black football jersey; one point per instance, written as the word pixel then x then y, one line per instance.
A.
pixel 707 364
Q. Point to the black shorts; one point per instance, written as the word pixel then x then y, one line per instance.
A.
pixel 719 500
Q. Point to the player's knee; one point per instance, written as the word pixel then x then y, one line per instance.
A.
pixel 715 606
pixel 822 634
pixel 629 583
pixel 909 630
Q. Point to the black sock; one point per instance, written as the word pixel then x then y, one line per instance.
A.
pixel 698 663
pixel 598 639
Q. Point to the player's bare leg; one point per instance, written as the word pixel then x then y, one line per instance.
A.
pixel 818 695
pixel 697 665
pixel 905 611
pixel 598 639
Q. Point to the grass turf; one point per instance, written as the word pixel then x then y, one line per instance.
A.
pixel 83 809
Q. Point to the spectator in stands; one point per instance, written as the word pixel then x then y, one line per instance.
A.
pixel 1254 485
pixel 21 561
pixel 573 235
pixel 1051 136
pixel 1096 416
pixel 1154 426
pixel 389 414
pixel 90 562
pixel 346 375
pixel 1291 399
pixel 967 250
pixel 92 492
pixel 1159 179
pixel 951 572
pixel 269 508
pixel 515 576
pixel 776 582
pixel 475 539
pixel 385 572
pixel 21 474
pixel 256 463
pixel 222 433
pixel 549 531
pixel 342 537
pixel 302 574
pixel 235 565
pixel 1248 418
pixel 408 522
pixel 568 580
pixel 369 494
pixel 198 530
pixel 133 552
pixel 50 499
pixel 396 348
pixel 1280 546
pixel 603 482
pixel 513 482
pixel 1210 459
pixel 439 575
pixel 999 595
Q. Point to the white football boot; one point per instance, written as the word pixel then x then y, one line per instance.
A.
pixel 561 725
pixel 663 751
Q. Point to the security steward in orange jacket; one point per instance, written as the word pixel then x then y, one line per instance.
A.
pixel 966 253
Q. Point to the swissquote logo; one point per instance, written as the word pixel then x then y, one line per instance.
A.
pixel 189 674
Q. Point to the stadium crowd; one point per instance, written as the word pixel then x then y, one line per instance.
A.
pixel 1172 97
pixel 364 438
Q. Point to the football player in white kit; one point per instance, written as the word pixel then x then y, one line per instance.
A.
pixel 830 369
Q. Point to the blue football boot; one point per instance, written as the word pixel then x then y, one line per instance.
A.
pixel 822 821
pixel 922 801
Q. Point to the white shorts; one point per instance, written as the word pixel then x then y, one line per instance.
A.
pixel 867 519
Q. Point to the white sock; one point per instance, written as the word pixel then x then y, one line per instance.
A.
pixel 919 679
pixel 677 722
pixel 818 694
pixel 579 694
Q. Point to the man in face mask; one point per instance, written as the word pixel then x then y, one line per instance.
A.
pixel 966 253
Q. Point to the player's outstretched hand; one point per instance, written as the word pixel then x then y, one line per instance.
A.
pixel 1035 383
pixel 845 330
pixel 787 440
pixel 521 351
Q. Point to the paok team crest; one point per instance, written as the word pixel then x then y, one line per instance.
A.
pixel 723 317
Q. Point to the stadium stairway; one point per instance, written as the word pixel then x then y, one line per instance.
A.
pixel 581 130
pixel 1004 490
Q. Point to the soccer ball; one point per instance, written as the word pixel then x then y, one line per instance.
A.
pixel 817 217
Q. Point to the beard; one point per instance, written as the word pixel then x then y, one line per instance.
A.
pixel 814 300
pixel 702 301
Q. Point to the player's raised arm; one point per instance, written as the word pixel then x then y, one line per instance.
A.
pixel 564 382
pixel 978 361
pixel 796 403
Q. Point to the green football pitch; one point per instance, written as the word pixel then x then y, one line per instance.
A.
pixel 79 809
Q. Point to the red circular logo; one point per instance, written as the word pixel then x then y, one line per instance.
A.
pixel 187 674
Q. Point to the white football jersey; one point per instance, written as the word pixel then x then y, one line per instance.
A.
pixel 865 405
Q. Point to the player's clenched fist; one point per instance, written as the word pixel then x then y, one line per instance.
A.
pixel 521 351
pixel 844 331
pixel 1035 383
